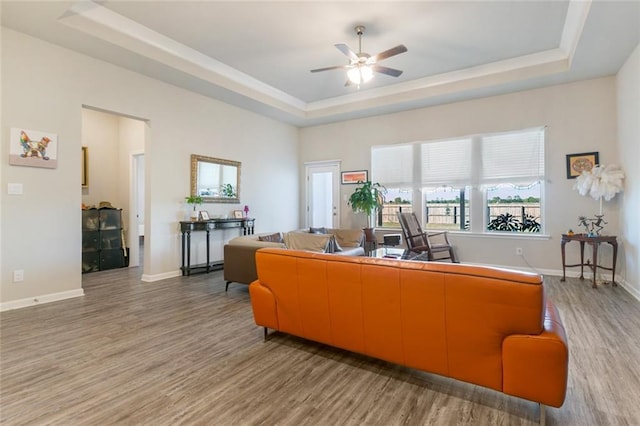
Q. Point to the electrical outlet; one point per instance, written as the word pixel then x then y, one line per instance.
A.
pixel 518 251
pixel 18 275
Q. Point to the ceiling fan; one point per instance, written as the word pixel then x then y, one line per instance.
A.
pixel 362 65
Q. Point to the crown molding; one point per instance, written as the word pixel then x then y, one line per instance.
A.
pixel 98 21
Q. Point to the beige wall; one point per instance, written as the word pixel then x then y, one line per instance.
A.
pixel 580 117
pixel 44 87
pixel 628 86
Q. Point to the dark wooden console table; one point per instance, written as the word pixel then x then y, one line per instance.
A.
pixel 186 227
pixel 594 242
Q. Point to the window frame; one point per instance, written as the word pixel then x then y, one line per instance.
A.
pixel 477 195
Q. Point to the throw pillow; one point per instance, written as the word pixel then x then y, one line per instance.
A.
pixel 349 237
pixel 305 241
pixel 322 230
pixel 272 238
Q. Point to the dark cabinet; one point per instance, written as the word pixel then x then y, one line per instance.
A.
pixel 102 240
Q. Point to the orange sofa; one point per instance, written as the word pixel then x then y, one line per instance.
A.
pixel 487 326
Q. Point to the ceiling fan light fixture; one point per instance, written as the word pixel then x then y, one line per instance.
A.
pixel 360 74
pixel 361 65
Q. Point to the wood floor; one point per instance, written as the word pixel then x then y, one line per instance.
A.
pixel 182 351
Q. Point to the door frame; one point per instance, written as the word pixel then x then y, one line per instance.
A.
pixel 134 243
pixel 336 190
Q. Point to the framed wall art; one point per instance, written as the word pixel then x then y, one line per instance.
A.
pixel 33 148
pixel 353 177
pixel 577 163
pixel 85 167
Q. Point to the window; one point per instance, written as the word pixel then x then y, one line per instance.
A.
pixel 480 183
pixel 396 200
pixel 446 207
pixel 394 167
pixel 512 207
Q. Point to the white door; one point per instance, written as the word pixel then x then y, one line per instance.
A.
pixel 323 194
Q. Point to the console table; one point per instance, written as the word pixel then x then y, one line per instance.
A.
pixel 186 227
pixel 594 242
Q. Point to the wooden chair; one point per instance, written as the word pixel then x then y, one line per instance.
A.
pixel 434 243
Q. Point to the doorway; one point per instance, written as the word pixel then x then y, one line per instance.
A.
pixel 115 146
pixel 323 194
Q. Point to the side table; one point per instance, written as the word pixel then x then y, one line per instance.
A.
pixel 594 242
pixel 186 227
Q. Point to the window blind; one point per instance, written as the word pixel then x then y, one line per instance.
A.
pixel 474 160
pixel 446 162
pixel 512 156
pixel 392 165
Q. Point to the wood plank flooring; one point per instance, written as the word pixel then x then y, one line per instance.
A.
pixel 183 352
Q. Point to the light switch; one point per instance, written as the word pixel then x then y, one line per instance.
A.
pixel 14 188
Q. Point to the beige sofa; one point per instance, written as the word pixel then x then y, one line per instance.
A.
pixel 239 253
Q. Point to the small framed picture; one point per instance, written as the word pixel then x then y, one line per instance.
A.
pixel 577 163
pixel 203 215
pixel 352 178
pixel 237 214
pixel 85 167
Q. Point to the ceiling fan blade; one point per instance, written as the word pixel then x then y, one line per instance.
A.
pixel 347 51
pixel 386 70
pixel 401 48
pixel 337 67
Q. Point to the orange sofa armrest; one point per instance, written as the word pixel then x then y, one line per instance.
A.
pixel 263 304
pixel 535 367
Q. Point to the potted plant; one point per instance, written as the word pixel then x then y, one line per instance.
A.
pixel 367 198
pixel 227 190
pixel 195 200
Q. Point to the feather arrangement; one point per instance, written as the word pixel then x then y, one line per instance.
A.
pixel 601 182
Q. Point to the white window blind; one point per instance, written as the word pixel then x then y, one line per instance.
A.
pixel 446 162
pixel 392 165
pixel 475 160
pixel 509 157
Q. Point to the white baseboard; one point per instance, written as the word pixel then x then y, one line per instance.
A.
pixel 37 300
pixel 157 277
pixel 589 276
pixel 630 289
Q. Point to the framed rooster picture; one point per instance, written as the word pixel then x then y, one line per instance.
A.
pixel 33 148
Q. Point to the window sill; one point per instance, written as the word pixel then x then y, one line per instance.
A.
pixel 496 235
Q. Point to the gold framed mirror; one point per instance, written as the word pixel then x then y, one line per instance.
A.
pixel 214 179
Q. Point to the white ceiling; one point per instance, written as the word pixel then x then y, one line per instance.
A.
pixel 258 55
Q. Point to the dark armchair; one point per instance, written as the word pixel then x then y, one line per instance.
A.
pixel 435 244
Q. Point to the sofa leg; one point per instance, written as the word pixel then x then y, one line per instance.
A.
pixel 543 415
pixel 266 331
pixel 226 287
